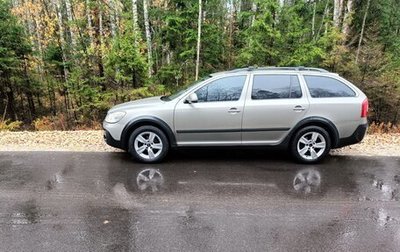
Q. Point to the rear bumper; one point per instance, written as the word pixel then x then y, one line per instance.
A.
pixel 356 137
pixel 111 141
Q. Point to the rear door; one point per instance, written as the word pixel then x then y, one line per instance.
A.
pixel 274 104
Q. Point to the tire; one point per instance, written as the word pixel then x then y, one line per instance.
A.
pixel 148 144
pixel 310 145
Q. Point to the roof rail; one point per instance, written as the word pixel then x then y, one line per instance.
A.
pixel 273 68
pixel 299 68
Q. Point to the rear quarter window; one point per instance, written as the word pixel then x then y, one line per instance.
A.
pixel 321 86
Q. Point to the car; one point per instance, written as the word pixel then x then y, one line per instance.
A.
pixel 308 111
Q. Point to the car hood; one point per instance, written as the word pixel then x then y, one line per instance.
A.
pixel 152 101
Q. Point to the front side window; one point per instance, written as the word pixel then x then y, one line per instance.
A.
pixel 321 87
pixel 275 86
pixel 224 89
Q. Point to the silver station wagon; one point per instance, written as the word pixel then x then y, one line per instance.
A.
pixel 307 111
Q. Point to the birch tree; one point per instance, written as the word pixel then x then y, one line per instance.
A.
pixel 347 18
pixel 70 18
pixel 88 13
pixel 111 13
pixel 313 18
pixel 148 37
pixel 135 22
pixel 253 11
pixel 198 40
pixel 337 12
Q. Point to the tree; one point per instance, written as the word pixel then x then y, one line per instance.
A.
pixel 198 40
pixel 126 57
pixel 347 18
pixel 148 37
pixel 14 49
pixel 337 12
pixel 362 30
pixel 258 41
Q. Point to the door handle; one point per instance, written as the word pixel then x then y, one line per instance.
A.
pixel 299 108
pixel 233 111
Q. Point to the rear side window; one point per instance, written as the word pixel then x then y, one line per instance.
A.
pixel 224 89
pixel 275 87
pixel 321 86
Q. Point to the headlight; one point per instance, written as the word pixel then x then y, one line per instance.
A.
pixel 114 117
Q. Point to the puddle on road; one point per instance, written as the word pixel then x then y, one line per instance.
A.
pixel 26 213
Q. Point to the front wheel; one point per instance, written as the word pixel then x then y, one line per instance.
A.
pixel 310 144
pixel 148 144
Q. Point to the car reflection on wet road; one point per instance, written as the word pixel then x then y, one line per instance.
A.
pixel 208 201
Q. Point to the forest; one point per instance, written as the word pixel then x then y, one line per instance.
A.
pixel 63 63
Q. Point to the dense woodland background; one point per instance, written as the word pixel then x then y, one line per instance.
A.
pixel 63 63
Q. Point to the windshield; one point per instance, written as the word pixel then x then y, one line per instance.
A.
pixel 184 89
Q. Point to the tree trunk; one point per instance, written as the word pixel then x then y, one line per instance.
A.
pixel 337 12
pixel 28 92
pixel 70 18
pixel 99 39
pixel 88 14
pixel 347 18
pixel 253 15
pixel 148 37
pixel 313 19
pixel 11 102
pixel 113 25
pixel 231 18
pixel 135 21
pixel 362 31
pixel 198 41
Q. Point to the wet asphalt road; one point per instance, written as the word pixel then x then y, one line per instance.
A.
pixel 65 201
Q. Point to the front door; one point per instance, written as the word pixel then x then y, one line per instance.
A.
pixel 217 116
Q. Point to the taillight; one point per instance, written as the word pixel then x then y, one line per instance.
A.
pixel 364 108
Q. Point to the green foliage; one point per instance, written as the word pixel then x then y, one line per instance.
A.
pixel 169 74
pixel 13 44
pixel 259 39
pixel 124 61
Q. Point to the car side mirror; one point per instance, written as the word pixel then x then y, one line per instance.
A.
pixel 192 98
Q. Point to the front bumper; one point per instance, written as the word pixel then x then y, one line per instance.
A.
pixel 111 141
pixel 356 137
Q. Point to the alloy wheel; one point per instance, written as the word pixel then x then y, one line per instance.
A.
pixel 148 145
pixel 311 145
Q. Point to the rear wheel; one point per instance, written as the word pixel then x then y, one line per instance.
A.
pixel 310 144
pixel 148 144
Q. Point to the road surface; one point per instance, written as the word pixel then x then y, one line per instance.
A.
pixel 215 200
